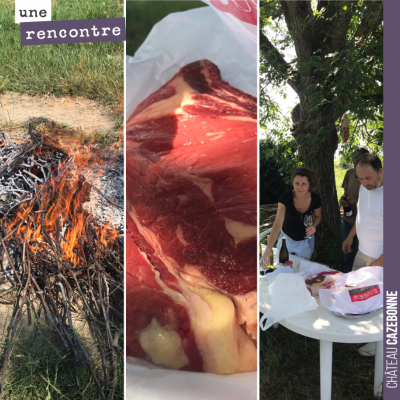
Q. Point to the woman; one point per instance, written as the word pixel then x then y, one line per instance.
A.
pixel 293 206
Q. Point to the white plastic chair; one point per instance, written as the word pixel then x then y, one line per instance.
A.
pixel 265 233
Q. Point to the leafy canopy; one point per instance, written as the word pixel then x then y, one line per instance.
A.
pixel 337 67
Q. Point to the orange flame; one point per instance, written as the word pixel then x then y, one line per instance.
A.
pixel 60 202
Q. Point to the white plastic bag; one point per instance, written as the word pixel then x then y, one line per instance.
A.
pixel 285 296
pixel 272 275
pixel 240 17
pixel 182 38
pixel 365 294
pixel 145 381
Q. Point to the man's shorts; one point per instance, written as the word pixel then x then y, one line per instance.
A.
pixel 362 260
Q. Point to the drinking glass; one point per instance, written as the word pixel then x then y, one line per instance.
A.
pixel 308 221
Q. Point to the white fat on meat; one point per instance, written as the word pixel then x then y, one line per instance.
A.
pixel 225 347
pixel 205 184
pixel 240 231
pixel 183 97
pixel 246 312
pixel 163 345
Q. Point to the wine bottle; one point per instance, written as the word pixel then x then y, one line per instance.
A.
pixel 348 212
pixel 283 254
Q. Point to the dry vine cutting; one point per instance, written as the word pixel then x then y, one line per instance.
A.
pixel 62 264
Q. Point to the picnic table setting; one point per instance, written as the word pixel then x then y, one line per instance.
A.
pixel 318 302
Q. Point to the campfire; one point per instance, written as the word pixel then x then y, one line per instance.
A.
pixel 56 252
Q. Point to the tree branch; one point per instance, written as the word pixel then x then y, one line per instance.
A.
pixel 276 60
pixel 335 38
pixel 299 21
pixel 378 98
pixel 370 20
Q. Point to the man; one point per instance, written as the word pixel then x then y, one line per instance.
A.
pixel 351 186
pixel 369 222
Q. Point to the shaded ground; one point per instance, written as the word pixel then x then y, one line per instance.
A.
pixel 289 368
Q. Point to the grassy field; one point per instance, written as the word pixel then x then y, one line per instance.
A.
pixel 142 15
pixel 289 368
pixel 95 71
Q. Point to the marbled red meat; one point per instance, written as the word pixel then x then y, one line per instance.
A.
pixel 191 246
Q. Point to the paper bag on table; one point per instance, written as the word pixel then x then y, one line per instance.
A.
pixel 284 297
pixel 358 292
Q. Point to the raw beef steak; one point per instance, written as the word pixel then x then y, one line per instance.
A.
pixel 191 245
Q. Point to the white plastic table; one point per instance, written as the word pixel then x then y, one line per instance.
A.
pixel 327 327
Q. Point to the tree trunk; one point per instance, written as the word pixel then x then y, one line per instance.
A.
pixel 318 155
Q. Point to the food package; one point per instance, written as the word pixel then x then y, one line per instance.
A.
pixel 358 292
pixel 312 272
pixel 193 220
pixel 322 280
pixel 145 381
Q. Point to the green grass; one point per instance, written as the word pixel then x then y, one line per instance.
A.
pixel 36 362
pixel 289 368
pixel 94 71
pixel 141 16
pixel 340 172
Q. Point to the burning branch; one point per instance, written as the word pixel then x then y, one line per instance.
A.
pixel 62 256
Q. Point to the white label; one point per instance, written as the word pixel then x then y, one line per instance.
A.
pixel 32 10
pixel 349 214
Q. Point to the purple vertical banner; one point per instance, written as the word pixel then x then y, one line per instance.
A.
pixel 391 54
pixel 73 31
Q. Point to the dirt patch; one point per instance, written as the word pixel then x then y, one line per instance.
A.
pixel 79 322
pixel 74 114
pixel 5 317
